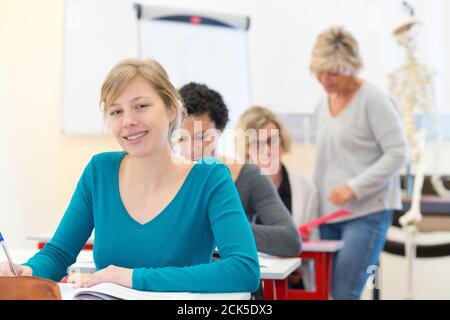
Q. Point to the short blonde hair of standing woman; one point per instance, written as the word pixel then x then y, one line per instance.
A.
pixel 256 118
pixel 151 71
pixel 336 50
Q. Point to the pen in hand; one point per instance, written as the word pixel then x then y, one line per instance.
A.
pixel 11 264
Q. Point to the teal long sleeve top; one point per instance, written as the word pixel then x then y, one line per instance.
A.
pixel 173 251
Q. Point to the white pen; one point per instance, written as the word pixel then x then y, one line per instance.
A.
pixel 11 264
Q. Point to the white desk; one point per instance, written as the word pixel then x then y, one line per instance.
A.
pixel 280 270
pixel 275 277
pixel 322 246
pixel 85 258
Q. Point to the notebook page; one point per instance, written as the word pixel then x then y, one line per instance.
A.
pixel 115 291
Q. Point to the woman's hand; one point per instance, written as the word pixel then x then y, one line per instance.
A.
pixel 5 270
pixel 341 195
pixel 113 274
pixel 77 278
pixel 305 234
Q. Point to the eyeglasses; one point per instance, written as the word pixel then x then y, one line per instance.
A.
pixel 273 140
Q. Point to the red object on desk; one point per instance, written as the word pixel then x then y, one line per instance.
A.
pixel 322 258
pixel 86 247
pixel 306 228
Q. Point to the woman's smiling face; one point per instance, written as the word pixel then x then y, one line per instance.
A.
pixel 139 119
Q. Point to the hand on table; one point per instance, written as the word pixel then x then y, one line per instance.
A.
pixel 113 274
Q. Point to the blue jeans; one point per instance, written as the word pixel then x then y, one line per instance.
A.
pixel 363 242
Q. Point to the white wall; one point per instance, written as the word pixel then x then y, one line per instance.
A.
pixel 430 280
pixel 282 34
pixel 39 166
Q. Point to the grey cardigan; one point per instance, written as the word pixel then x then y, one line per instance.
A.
pixel 364 147
pixel 272 225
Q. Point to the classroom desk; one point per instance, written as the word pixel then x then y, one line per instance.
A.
pixel 274 277
pixel 322 254
pixel 85 258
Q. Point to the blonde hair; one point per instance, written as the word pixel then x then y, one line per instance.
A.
pixel 149 70
pixel 336 50
pixel 256 118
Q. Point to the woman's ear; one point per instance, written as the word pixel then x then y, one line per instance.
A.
pixel 219 133
pixel 282 152
pixel 172 112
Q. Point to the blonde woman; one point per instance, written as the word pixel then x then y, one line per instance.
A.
pixel 266 149
pixel 157 218
pixel 265 142
pixel 361 147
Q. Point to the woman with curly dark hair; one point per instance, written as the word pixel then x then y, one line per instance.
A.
pixel 274 230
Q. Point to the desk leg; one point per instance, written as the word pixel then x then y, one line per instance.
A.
pixel 281 289
pixel 269 290
pixel 323 262
pixel 322 278
pixel 328 270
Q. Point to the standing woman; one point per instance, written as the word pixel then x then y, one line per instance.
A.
pixel 361 147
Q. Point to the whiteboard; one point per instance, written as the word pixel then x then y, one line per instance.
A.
pixel 95 39
pixel 213 54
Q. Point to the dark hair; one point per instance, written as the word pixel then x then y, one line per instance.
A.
pixel 199 99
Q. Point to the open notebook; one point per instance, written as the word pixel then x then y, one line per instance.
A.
pixel 111 291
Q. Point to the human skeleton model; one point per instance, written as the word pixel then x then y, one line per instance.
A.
pixel 413 89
